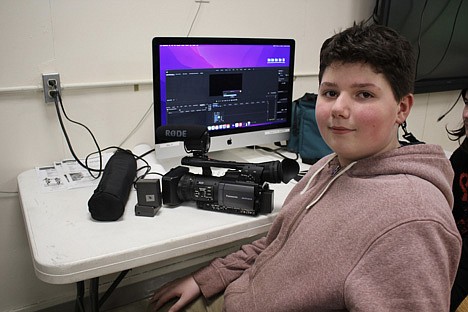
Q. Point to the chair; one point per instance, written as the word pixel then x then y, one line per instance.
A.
pixel 463 307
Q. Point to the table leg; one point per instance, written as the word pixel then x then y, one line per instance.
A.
pixel 95 302
pixel 112 287
pixel 94 294
pixel 79 307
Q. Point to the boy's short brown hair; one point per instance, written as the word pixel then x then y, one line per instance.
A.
pixel 381 47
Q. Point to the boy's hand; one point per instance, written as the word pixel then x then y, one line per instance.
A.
pixel 185 288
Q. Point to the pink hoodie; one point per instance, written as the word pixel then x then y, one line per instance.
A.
pixel 378 235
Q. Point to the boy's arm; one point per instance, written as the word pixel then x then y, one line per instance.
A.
pixel 215 277
pixel 409 268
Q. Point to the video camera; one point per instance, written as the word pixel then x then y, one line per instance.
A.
pixel 242 190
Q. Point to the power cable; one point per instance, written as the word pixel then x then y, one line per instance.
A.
pixel 446 47
pixel 60 108
pixel 451 108
pixel 59 105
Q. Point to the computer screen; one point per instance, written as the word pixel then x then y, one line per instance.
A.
pixel 239 88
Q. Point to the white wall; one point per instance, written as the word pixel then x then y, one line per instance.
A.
pixel 109 41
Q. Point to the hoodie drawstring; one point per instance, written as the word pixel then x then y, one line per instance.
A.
pixel 329 183
pixel 315 174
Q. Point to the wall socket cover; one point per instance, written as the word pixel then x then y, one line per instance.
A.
pixel 47 87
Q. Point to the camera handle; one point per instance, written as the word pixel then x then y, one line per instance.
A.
pixel 272 171
pixel 205 162
pixel 199 160
pixel 252 170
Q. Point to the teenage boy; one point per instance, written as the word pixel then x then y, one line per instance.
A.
pixel 370 227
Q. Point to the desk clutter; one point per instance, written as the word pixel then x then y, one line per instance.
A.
pixel 182 232
pixel 243 188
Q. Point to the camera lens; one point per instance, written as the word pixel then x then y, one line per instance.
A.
pixel 185 187
pixel 276 172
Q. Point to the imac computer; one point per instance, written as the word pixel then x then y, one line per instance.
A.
pixel 239 88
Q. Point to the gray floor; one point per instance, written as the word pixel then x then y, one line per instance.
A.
pixel 133 307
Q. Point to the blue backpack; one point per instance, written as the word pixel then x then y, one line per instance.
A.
pixel 304 136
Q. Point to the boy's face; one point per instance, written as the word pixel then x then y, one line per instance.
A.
pixel 357 113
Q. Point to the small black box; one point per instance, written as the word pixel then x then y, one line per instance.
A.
pixel 146 211
pixel 148 192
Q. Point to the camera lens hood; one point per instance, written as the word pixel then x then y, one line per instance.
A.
pixel 276 171
pixel 289 168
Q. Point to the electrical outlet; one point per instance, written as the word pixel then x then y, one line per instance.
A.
pixel 50 82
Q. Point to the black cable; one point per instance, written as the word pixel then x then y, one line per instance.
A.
pixel 92 136
pixel 146 153
pixel 447 46
pixel 450 109
pixel 57 98
pixel 144 176
pixel 419 37
pixel 431 22
pixel 147 166
pixel 421 32
pixel 374 14
pixel 271 150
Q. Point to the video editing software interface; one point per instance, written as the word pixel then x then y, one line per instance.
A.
pixel 224 86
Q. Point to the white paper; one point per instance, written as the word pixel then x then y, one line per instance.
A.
pixel 68 174
pixel 51 178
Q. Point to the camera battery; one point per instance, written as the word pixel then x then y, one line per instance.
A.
pixel 148 192
pixel 146 211
pixel 149 197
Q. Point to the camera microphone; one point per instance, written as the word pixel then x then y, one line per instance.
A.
pixel 171 133
pixel 195 137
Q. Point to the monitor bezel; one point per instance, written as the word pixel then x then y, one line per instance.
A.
pixel 158 41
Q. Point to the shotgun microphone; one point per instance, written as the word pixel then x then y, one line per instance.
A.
pixel 171 133
pixel 195 137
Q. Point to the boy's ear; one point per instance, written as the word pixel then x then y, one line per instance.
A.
pixel 404 108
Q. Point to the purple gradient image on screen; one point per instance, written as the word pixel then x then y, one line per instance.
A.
pixel 232 86
pixel 178 57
